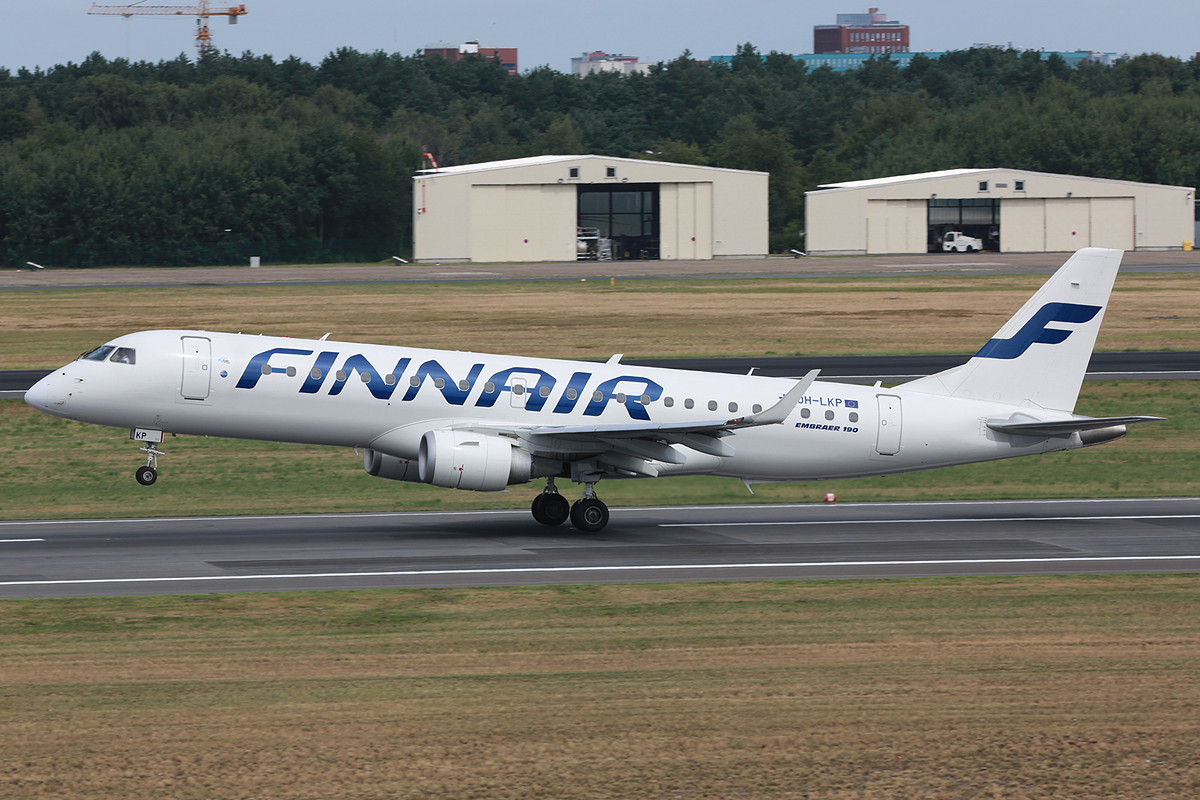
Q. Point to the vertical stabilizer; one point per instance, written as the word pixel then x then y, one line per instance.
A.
pixel 1039 357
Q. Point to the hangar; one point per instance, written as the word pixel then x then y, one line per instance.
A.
pixel 568 208
pixel 1010 210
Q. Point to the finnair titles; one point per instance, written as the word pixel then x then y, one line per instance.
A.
pixel 483 422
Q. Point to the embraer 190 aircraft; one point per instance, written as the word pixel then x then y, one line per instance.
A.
pixel 483 422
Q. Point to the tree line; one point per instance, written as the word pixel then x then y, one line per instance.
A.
pixel 194 162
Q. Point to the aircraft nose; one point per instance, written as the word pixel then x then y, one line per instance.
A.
pixel 42 396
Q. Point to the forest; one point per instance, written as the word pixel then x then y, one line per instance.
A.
pixel 111 162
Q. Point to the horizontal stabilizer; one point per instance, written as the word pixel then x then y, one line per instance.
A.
pixel 1062 427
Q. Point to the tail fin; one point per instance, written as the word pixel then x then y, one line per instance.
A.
pixel 1040 355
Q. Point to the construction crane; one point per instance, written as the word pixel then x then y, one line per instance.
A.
pixel 201 11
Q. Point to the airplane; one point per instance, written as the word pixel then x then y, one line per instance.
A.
pixel 483 422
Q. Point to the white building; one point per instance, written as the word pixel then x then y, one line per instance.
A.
pixel 564 208
pixel 598 61
pixel 1011 210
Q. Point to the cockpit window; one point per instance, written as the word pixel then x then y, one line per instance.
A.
pixel 124 355
pixel 99 354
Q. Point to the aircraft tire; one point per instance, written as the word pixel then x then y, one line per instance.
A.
pixel 555 510
pixel 589 515
pixel 146 475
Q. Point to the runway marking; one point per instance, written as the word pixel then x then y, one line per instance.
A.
pixel 609 568
pixel 17 541
pixel 928 521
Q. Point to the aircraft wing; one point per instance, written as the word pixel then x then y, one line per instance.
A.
pixel 630 445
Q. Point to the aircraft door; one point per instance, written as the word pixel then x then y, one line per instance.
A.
pixel 520 392
pixel 887 442
pixel 197 368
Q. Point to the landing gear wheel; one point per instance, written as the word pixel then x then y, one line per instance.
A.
pixel 555 509
pixel 550 508
pixel 589 514
pixel 146 475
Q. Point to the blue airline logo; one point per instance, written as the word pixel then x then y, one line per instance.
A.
pixel 1035 331
pixel 628 390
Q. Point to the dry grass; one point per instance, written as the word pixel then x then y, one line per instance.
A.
pixel 44 328
pixel 1041 687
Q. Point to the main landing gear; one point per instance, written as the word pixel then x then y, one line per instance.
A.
pixel 148 474
pixel 587 514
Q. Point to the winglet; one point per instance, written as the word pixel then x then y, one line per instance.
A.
pixel 778 412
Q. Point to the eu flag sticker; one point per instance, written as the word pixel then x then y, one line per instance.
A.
pixel 851 403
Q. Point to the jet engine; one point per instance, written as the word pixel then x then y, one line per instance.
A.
pixel 381 465
pixel 463 460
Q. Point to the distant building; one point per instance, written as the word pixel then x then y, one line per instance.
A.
pixel 861 33
pixel 598 61
pixel 1009 210
pixel 587 207
pixel 507 56
pixel 843 62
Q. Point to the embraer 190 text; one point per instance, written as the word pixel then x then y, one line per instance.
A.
pixel 484 422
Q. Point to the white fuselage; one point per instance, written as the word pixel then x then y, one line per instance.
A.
pixel 386 398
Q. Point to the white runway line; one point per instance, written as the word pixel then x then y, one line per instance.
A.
pixel 610 568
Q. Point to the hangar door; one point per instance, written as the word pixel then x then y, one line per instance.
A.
pixel 1068 223
pixel 686 221
pixel 521 223
pixel 895 226
pixel 626 213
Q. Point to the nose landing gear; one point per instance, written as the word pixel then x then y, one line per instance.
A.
pixel 148 474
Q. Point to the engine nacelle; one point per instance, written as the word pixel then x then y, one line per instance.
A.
pixel 463 460
pixel 381 465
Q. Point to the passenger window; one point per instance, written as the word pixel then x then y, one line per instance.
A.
pixel 99 354
pixel 829 415
pixel 733 407
pixel 668 402
pixel 124 355
pixel 688 403
pixel 712 405
pixel 805 413
pixel 756 408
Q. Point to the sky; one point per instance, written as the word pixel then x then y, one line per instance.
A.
pixel 44 33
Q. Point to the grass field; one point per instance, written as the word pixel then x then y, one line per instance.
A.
pixel 642 319
pixel 1055 687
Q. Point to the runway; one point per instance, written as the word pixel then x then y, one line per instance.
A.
pixel 506 548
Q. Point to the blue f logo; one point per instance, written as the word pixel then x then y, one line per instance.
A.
pixel 1035 330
